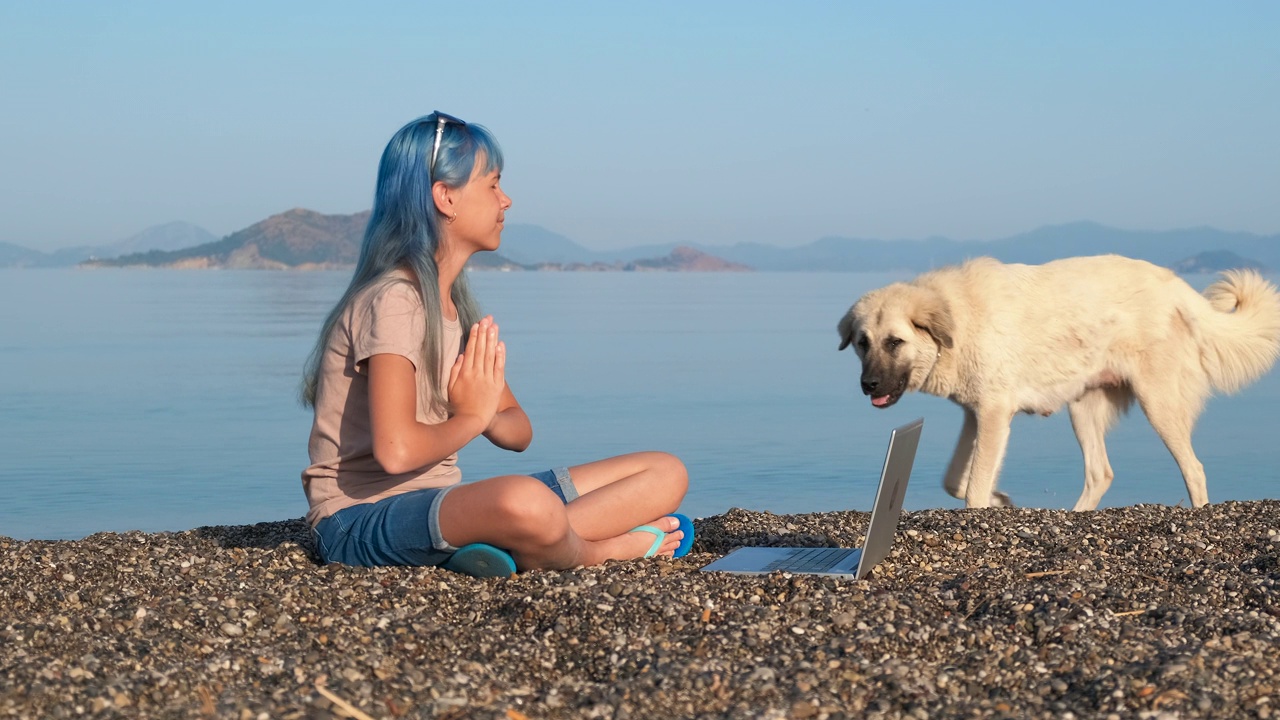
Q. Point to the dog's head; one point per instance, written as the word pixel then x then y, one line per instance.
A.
pixel 898 333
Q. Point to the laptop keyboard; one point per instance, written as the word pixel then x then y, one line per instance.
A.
pixel 811 560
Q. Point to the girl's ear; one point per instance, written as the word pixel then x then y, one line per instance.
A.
pixel 443 198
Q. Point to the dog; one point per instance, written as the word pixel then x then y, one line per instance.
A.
pixel 1093 333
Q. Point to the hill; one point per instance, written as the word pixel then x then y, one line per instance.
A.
pixel 687 259
pixel 17 256
pixel 842 254
pixel 303 239
pixel 298 238
pixel 533 245
pixel 169 236
pixel 680 259
pixel 1216 261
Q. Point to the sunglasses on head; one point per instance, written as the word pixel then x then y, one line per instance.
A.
pixel 441 120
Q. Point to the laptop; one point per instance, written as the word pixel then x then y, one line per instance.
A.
pixel 851 563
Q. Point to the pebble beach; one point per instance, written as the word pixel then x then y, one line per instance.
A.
pixel 1137 612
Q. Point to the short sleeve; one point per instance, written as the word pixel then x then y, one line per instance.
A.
pixel 388 320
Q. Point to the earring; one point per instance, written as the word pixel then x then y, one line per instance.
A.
pixel 451 219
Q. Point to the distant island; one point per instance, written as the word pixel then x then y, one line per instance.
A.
pixel 307 240
pixel 1213 261
pixel 681 259
pixel 302 239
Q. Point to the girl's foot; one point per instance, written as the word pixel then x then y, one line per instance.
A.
pixel 643 542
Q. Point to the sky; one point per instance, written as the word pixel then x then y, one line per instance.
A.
pixel 649 122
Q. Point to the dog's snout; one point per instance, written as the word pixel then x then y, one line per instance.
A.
pixel 869 385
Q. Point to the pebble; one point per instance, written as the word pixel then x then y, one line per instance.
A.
pixel 1144 612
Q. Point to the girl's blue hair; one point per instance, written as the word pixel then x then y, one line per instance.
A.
pixel 404 218
pixel 404 232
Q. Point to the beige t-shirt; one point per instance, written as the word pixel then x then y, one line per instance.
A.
pixel 386 317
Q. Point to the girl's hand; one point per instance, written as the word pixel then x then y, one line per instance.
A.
pixel 478 376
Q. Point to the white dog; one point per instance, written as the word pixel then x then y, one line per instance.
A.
pixel 1093 333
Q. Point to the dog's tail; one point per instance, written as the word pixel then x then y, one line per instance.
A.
pixel 1241 341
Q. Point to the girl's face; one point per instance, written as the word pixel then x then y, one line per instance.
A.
pixel 480 208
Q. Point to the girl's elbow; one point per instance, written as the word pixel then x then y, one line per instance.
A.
pixel 513 444
pixel 515 437
pixel 525 440
pixel 393 459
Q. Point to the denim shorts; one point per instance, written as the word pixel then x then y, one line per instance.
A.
pixel 403 529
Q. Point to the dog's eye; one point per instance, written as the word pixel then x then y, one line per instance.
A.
pixel 892 343
pixel 863 344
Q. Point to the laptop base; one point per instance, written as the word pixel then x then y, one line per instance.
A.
pixel 835 562
pixel 840 562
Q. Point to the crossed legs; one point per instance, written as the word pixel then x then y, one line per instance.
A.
pixel 524 516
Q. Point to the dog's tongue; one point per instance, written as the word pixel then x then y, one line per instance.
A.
pixel 880 401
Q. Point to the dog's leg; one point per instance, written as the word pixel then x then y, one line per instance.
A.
pixel 956 481
pixel 1091 416
pixel 1173 419
pixel 988 455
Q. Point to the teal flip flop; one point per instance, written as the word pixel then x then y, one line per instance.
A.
pixel 481 560
pixel 686 542
pixel 658 537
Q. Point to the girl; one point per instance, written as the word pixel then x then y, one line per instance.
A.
pixel 406 372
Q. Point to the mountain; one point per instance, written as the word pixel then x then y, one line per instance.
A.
pixel 1162 248
pixel 298 238
pixel 687 259
pixel 1051 242
pixel 1216 261
pixel 303 239
pixel 306 239
pixel 533 244
pixel 17 256
pixel 680 259
pixel 169 236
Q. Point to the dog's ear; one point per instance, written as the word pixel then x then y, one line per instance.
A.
pixel 933 315
pixel 846 330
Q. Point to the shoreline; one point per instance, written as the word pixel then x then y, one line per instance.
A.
pixel 1132 612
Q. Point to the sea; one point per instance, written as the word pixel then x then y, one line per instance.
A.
pixel 165 400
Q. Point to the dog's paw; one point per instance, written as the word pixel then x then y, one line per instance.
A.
pixel 999 499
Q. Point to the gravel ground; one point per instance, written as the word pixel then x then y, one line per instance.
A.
pixel 1145 611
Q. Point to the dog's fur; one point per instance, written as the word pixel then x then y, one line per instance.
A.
pixel 1094 333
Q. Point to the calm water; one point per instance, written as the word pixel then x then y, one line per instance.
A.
pixel 165 400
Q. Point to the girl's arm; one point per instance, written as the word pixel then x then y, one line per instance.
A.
pixel 476 388
pixel 510 429
pixel 401 443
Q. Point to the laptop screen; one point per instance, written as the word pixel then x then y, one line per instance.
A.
pixel 893 487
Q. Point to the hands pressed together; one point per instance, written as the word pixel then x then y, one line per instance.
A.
pixel 478 377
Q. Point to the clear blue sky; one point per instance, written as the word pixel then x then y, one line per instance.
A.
pixel 630 123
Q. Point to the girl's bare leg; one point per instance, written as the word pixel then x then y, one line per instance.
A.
pixel 619 493
pixel 520 514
